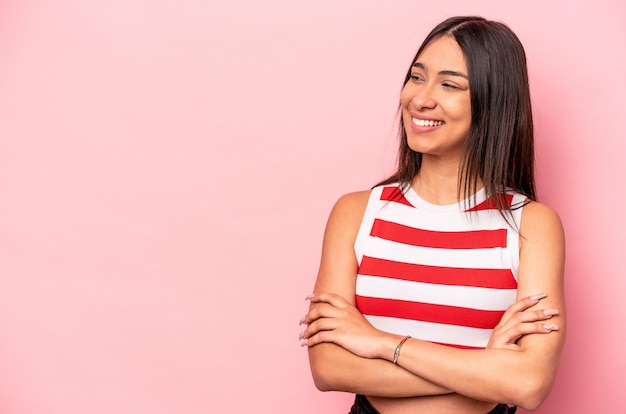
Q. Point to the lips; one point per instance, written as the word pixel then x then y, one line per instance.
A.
pixel 426 122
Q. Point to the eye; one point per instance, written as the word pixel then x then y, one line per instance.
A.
pixel 451 86
pixel 416 77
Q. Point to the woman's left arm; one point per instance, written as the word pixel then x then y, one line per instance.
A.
pixel 522 375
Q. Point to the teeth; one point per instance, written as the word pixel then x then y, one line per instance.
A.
pixel 426 123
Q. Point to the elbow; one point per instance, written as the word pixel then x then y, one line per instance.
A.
pixel 322 382
pixel 321 372
pixel 531 403
pixel 531 395
pixel 322 377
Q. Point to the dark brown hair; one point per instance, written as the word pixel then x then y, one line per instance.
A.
pixel 499 148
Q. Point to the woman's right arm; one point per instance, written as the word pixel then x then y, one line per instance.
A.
pixel 333 367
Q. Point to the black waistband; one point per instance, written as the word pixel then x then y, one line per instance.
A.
pixel 363 406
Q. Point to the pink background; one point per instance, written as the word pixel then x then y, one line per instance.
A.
pixel 167 168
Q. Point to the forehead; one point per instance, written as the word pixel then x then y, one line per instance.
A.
pixel 443 53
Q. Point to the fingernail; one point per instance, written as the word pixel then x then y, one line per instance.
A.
pixel 550 312
pixel 304 342
pixel 538 296
pixel 309 297
pixel 551 327
pixel 301 321
pixel 300 335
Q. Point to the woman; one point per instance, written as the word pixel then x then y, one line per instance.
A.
pixel 427 295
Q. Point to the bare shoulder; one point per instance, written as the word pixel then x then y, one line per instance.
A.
pixel 542 253
pixel 350 208
pixel 345 218
pixel 540 221
pixel 338 266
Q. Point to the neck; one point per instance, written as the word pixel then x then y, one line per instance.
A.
pixel 438 182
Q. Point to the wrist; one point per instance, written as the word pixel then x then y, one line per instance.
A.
pixel 388 345
pixel 396 352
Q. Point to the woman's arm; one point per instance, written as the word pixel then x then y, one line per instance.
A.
pixel 333 367
pixel 521 374
pixel 525 376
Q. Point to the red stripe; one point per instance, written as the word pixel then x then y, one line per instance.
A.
pixel 394 194
pixel 459 346
pixel 490 204
pixel 426 312
pixel 477 239
pixel 454 276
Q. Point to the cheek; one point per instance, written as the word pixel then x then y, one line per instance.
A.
pixel 463 111
pixel 404 97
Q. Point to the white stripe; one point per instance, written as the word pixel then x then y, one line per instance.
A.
pixel 440 222
pixel 366 223
pixel 462 258
pixel 433 332
pixel 513 237
pixel 459 296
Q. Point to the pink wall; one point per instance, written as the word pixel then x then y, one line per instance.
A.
pixel 166 170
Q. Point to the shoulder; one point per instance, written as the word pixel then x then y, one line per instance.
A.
pixel 536 214
pixel 338 266
pixel 541 227
pixel 344 222
pixel 349 209
pixel 356 200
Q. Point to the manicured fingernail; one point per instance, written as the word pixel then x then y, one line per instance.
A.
pixel 538 296
pixel 301 321
pixel 309 297
pixel 304 342
pixel 300 335
pixel 550 312
pixel 551 327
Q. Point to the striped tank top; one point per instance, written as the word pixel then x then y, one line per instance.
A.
pixel 443 274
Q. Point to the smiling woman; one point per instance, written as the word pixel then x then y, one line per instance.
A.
pixel 430 283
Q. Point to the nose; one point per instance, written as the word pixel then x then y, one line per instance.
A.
pixel 424 98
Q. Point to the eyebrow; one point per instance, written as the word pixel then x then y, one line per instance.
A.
pixel 442 72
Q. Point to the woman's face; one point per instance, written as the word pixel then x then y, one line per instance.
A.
pixel 435 101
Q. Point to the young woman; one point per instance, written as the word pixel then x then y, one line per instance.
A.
pixel 427 297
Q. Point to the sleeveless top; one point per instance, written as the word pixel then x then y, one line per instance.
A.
pixel 443 274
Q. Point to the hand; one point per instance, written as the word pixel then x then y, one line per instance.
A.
pixel 517 321
pixel 332 319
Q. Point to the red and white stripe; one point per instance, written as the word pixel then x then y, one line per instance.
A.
pixel 444 274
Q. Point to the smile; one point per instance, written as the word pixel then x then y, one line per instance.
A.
pixel 426 122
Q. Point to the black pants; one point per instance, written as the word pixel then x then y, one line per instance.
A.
pixel 363 406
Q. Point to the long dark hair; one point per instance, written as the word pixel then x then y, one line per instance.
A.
pixel 499 148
